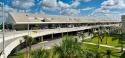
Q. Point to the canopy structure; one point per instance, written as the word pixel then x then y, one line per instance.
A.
pixel 30 18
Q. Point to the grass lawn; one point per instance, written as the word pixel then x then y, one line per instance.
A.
pixel 111 40
pixel 114 53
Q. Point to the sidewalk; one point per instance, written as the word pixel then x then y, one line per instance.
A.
pixel 104 45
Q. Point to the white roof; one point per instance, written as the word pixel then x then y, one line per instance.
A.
pixel 24 18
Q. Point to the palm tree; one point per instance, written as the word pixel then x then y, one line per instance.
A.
pixel 121 40
pixel 108 52
pixel 96 35
pixel 29 41
pixel 40 53
pixel 71 48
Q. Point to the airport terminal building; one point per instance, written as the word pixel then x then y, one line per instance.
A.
pixel 21 21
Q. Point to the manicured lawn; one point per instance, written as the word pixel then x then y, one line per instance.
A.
pixel 114 53
pixel 111 40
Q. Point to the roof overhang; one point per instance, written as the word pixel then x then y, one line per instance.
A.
pixel 61 22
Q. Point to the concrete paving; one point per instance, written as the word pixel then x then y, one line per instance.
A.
pixel 102 45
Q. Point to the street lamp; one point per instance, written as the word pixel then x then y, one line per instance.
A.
pixel 3 33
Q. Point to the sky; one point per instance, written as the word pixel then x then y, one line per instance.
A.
pixel 112 9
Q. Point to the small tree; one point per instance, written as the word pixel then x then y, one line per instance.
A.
pixel 29 41
pixel 71 48
pixel 40 53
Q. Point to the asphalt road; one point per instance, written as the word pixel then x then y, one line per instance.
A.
pixel 45 44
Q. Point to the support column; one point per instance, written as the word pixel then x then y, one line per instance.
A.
pixel 123 31
pixel 67 30
pixel 41 39
pixel 62 34
pixel 52 36
pixel 123 23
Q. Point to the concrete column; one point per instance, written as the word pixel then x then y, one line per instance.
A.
pixel 52 35
pixel 41 39
pixel 67 29
pixel 123 23
pixel 62 34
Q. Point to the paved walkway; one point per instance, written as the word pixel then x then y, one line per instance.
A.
pixel 108 46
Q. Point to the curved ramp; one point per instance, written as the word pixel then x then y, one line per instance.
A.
pixel 37 33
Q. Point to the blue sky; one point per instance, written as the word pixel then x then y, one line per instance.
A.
pixel 68 7
pixel 82 5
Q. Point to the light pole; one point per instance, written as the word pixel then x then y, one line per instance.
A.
pixel 28 25
pixel 3 33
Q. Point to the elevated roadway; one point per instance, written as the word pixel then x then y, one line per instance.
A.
pixel 13 39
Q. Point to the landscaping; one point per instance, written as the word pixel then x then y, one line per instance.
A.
pixel 114 52
pixel 71 48
pixel 112 40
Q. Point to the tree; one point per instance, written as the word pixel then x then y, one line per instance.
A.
pixel 1 26
pixel 29 41
pixel 122 36
pixel 40 53
pixel 71 48
pixel 96 35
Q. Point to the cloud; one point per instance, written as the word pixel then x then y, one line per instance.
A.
pixel 66 5
pixel 6 8
pixel 62 4
pixel 87 8
pixel 54 4
pixel 75 4
pixel 70 12
pixel 85 0
pixel 9 9
pixel 113 9
pixel 109 5
pixel 23 4
pixel 49 3
pixel 62 7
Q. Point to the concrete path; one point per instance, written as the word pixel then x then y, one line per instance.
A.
pixel 108 46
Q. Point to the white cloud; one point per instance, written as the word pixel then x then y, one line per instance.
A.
pixel 6 8
pixel 63 8
pixel 113 9
pixel 85 0
pixel 75 4
pixel 66 5
pixel 114 4
pixel 62 4
pixel 9 9
pixel 70 11
pixel 49 3
pixel 53 4
pixel 108 5
pixel 23 4
pixel 87 8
